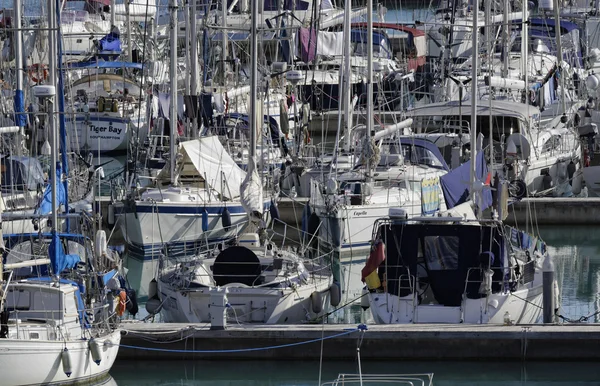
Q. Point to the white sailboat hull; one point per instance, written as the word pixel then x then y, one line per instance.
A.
pixel 31 362
pixel 391 309
pixel 248 305
pixel 149 226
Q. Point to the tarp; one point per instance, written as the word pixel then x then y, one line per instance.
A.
pixel 59 261
pixel 207 158
pixel 456 184
pixel 332 43
pixel 61 197
pixel 308 44
pixel 110 42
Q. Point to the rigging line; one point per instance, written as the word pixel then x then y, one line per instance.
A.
pixel 361 327
pixel 526 301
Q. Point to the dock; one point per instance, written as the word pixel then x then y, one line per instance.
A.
pixel 556 210
pixel 560 342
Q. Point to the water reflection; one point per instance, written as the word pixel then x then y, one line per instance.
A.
pixel 576 253
pixel 221 373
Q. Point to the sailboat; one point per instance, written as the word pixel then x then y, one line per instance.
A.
pixel 249 279
pixel 462 265
pixel 195 199
pixel 56 320
pixel 57 314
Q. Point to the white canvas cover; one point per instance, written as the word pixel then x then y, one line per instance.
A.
pixel 251 192
pixel 207 158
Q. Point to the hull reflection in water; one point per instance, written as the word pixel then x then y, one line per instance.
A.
pixel 287 373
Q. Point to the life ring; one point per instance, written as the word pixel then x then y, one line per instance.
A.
pixel 38 72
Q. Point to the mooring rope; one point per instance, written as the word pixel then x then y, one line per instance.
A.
pixel 361 327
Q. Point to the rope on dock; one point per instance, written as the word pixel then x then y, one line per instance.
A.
pixel 361 327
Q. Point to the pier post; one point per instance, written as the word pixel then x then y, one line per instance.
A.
pixel 548 290
pixel 218 308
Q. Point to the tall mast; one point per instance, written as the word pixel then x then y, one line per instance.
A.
pixel 51 114
pixel 19 97
pixel 225 41
pixel 173 75
pixel 370 108
pixel 253 79
pixel 473 128
pixel 346 84
pixel 563 96
pixel 194 60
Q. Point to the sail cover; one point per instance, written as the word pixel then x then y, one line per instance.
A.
pixel 251 191
pixel 59 260
pixel 61 196
pixel 207 159
pixel 456 186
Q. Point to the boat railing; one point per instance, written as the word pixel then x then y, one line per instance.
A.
pixel 377 379
pixel 205 243
pixel 511 277
pixel 306 243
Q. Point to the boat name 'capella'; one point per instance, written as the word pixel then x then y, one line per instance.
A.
pixel 362 213
pixel 102 129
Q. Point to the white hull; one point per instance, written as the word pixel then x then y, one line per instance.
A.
pixel 391 309
pixel 103 132
pixel 349 232
pixel 31 362
pixel 152 225
pixel 258 305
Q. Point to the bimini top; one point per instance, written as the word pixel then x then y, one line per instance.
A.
pixel 499 108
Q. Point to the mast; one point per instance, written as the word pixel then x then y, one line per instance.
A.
pixel 563 96
pixel 253 79
pixel 194 61
pixel 51 116
pixel 19 105
pixel 473 129
pixel 225 41
pixel 505 41
pixel 370 123
pixel 347 95
pixel 128 30
pixel 173 75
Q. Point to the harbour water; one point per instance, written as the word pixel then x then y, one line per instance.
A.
pixel 307 373
pixel 576 252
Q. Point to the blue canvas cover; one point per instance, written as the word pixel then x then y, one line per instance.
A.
pixel 59 260
pixel 110 42
pixel 61 197
pixel 456 185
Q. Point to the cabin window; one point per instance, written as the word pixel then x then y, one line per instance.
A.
pixel 45 301
pixel 441 252
pixel 17 300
